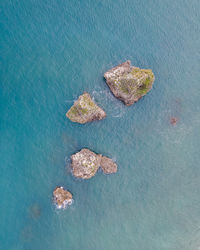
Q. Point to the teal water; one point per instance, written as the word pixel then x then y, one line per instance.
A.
pixel 51 51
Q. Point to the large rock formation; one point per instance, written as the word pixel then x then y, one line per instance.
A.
pixel 85 110
pixel 86 163
pixel 129 83
pixel 62 198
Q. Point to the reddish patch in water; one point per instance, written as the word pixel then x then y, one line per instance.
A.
pixel 173 120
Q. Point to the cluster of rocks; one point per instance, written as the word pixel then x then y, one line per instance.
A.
pixel 86 163
pixel 127 83
pixel 84 166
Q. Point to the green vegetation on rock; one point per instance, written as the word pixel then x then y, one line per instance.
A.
pixel 85 110
pixel 129 83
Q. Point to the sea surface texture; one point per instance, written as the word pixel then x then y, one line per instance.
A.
pixel 51 51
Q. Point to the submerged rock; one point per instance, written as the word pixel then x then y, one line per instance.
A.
pixel 35 211
pixel 108 165
pixel 62 198
pixel 173 120
pixel 86 163
pixel 27 234
pixel 85 110
pixel 129 83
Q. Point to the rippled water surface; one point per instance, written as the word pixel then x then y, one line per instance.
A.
pixel 52 51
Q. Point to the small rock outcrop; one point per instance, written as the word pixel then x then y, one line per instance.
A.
pixel 85 110
pixel 108 165
pixel 129 83
pixel 86 163
pixel 62 198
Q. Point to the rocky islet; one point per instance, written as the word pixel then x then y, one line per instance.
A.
pixel 62 198
pixel 129 83
pixel 85 164
pixel 85 110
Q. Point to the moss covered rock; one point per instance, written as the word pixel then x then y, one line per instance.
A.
pixel 129 83
pixel 85 110
pixel 62 198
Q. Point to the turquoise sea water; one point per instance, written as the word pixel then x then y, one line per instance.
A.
pixel 52 51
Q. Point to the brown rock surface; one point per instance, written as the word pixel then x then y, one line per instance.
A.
pixel 86 163
pixel 108 165
pixel 62 197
